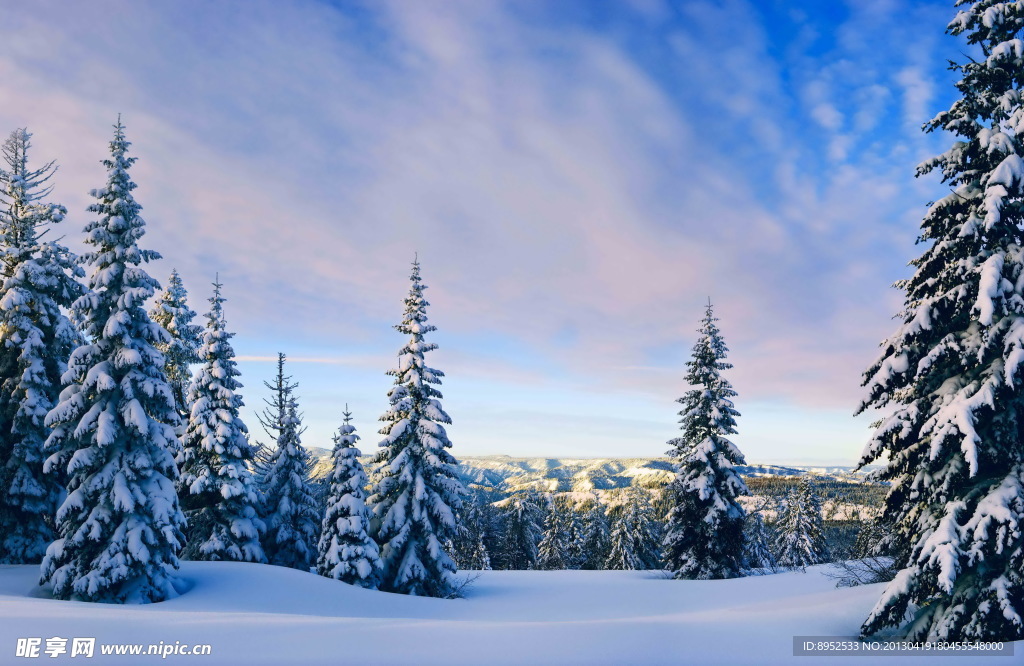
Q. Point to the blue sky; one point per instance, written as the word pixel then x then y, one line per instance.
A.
pixel 577 177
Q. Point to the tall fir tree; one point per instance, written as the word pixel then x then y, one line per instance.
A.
pixel 346 551
pixel 272 419
pixel 704 538
pixel 635 535
pixel 553 549
pixel 120 528
pixel 172 312
pixel 217 490
pixel 595 537
pixel 289 508
pixel 36 338
pixel 951 374
pixel 492 532
pixel 757 543
pixel 799 536
pixel 470 549
pixel 416 491
pixel 574 553
pixel 522 531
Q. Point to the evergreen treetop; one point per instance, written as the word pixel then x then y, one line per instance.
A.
pixel 275 414
pixel 24 214
pixel 172 312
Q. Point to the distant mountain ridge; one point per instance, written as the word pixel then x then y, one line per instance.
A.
pixel 588 475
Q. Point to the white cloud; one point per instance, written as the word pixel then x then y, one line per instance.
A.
pixel 917 95
pixel 827 116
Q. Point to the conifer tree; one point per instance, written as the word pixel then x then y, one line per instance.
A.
pixel 272 419
pixel 217 489
pixel 416 490
pixel 871 539
pixel 799 540
pixel 119 530
pixel 635 536
pixel 522 518
pixel 469 549
pixel 291 514
pixel 951 374
pixel 595 537
pixel 172 312
pixel 574 554
pixel 480 559
pixel 346 551
pixel 553 549
pixel 36 338
pixel 758 542
pixel 704 538
pixel 492 531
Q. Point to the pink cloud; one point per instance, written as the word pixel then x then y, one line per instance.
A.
pixel 552 198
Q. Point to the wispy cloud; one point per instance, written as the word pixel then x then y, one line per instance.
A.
pixel 303 359
pixel 577 185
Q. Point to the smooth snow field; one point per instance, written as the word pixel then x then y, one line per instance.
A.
pixel 260 614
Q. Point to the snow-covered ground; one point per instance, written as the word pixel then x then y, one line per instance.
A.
pixel 259 614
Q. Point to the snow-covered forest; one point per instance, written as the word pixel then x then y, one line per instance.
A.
pixel 134 496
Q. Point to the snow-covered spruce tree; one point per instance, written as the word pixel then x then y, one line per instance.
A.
pixel 120 528
pixel 492 531
pixel 704 538
pixel 416 491
pixel 799 541
pixel 291 513
pixel 273 417
pixel 595 537
pixel 346 551
pixel 574 554
pixel 871 539
pixel 469 549
pixel 757 543
pixel 36 338
pixel 217 490
pixel 635 536
pixel 171 311
pixel 522 522
pixel 951 374
pixel 553 549
pixel 480 558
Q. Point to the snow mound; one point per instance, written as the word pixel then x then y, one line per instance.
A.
pixel 260 614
